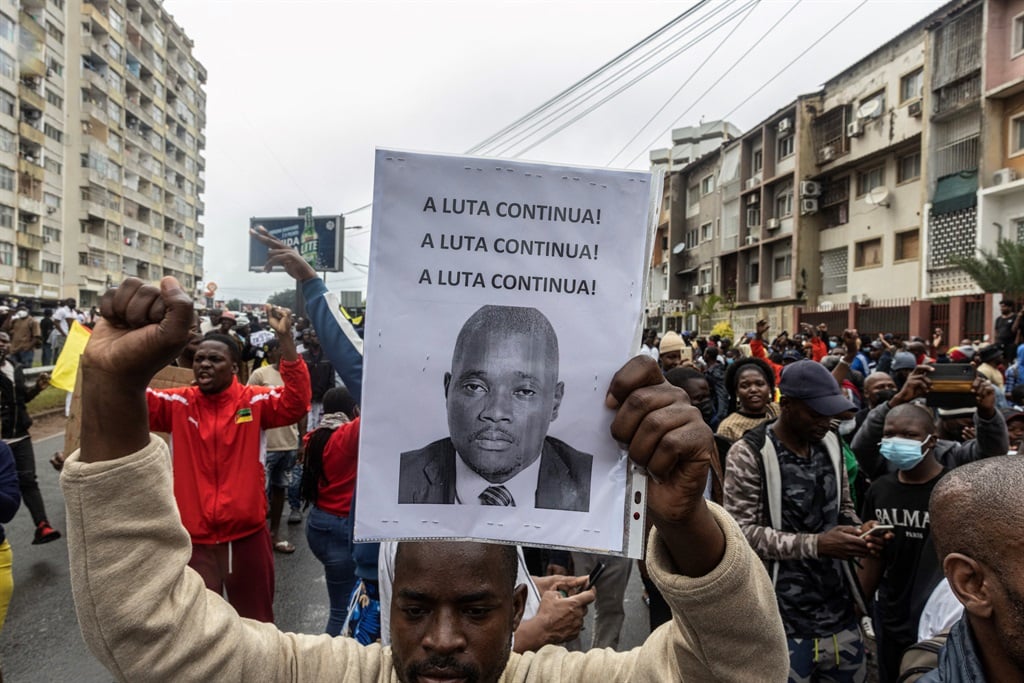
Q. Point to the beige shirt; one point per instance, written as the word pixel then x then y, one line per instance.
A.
pixel 279 438
pixel 148 617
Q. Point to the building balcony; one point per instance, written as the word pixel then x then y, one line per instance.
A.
pixel 31 97
pixel 96 80
pixel 29 276
pixel 28 240
pixel 31 133
pixel 97 15
pixel 30 168
pixel 175 238
pixel 95 111
pixel 30 64
pixel 94 241
pixel 31 25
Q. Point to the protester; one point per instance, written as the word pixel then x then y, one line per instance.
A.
pixel 906 573
pixel 650 344
pixel 26 336
pixel 670 351
pixel 975 514
pixel 786 486
pixel 45 333
pixel 135 610
pixel 219 482
pixel 14 425
pixel 281 446
pixel 751 386
pixel 10 500
pixel 1006 328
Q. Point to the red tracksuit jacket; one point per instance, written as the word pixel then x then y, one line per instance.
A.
pixel 215 445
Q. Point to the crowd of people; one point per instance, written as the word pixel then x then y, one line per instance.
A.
pixel 800 484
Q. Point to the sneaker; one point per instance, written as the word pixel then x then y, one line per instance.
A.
pixel 867 627
pixel 45 533
pixel 295 516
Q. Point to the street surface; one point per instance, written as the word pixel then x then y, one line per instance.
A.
pixel 41 642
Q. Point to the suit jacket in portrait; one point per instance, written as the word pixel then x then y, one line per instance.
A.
pixel 427 475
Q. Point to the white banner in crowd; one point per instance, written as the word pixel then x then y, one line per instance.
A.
pixel 503 296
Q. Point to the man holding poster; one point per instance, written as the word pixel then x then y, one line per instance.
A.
pixel 502 394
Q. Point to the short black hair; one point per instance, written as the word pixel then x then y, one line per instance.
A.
pixel 679 376
pixel 339 400
pixel 508 554
pixel 233 350
pixel 732 374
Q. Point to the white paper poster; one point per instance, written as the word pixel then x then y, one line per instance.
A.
pixel 502 298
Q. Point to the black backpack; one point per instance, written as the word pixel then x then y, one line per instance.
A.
pixel 920 658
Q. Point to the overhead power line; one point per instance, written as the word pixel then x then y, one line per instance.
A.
pixel 580 83
pixel 568 106
pixel 716 82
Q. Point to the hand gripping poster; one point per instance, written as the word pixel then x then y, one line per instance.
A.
pixel 502 297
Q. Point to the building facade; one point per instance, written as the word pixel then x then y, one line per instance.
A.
pixel 102 117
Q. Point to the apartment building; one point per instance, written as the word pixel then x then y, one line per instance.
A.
pixel 864 219
pixel 1001 196
pixel 131 201
pixel 31 147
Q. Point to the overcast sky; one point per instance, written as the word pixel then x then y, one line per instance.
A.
pixel 300 92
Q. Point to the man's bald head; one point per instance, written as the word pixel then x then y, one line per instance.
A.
pixel 914 414
pixel 503 321
pixel 976 510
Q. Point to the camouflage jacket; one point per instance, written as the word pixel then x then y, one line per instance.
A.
pixel 753 496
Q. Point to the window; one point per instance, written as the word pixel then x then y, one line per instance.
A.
pixel 53 132
pixel 868 253
pixel 753 273
pixel 6 253
pixel 50 266
pixel 872 106
pixel 693 195
pixel 51 200
pixel 51 234
pixel 6 27
pixel 782 267
pixel 691 239
pixel 707 185
pixel 116 20
pixel 666 203
pixel 1017 134
pixel 55 33
pixel 908 245
pixel 54 99
pixel 754 217
pixel 869 179
pixel 1018 36
pixel 6 65
pixel 787 146
pixel 56 67
pixel 8 140
pixel 7 103
pixel 784 201
pixel 6 217
pixel 51 165
pixel 908 167
pixel 705 232
pixel 758 160
pixel 6 178
pixel 911 85
pixel 59 4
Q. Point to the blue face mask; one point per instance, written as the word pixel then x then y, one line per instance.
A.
pixel 902 452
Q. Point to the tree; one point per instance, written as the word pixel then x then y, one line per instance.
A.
pixel 234 304
pixel 1001 272
pixel 709 307
pixel 284 298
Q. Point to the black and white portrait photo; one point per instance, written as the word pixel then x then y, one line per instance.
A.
pixel 502 394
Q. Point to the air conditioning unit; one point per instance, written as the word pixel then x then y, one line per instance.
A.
pixel 854 129
pixel 773 224
pixel 51 210
pixel 915 109
pixel 1003 176
pixel 810 188
pixel 785 125
pixel 750 184
pixel 827 153
pixel 808 206
pixel 47 239
pixel 695 290
pixel 751 239
pixel 753 199
pixel 757 178
pixel 705 289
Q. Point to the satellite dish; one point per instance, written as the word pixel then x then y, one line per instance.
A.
pixel 870 109
pixel 878 196
pixel 678 249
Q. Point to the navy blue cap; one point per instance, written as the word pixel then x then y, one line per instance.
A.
pixel 813 384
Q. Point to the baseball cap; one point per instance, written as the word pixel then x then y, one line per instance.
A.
pixel 813 384
pixel 227 315
pixel 791 356
pixel 1012 414
pixel 904 360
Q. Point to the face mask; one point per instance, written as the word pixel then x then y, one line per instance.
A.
pixel 730 360
pixel 883 396
pixel 902 452
pixel 832 345
pixel 21 314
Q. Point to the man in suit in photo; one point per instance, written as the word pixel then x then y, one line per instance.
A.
pixel 502 394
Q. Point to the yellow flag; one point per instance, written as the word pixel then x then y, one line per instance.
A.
pixel 66 369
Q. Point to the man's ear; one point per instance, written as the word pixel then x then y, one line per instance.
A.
pixel 518 605
pixel 559 391
pixel 970 581
pixel 447 381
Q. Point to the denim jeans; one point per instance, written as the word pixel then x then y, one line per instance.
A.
pixel 330 539
pixel 24 358
pixel 295 487
pixel 47 354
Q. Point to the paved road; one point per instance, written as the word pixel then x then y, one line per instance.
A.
pixel 41 642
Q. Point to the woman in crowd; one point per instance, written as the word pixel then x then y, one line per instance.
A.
pixel 328 482
pixel 751 386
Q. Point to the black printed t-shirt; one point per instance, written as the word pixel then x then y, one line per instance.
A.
pixel 911 568
pixel 813 597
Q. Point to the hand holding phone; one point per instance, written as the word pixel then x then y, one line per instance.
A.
pixel 877 529
pixel 595 575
